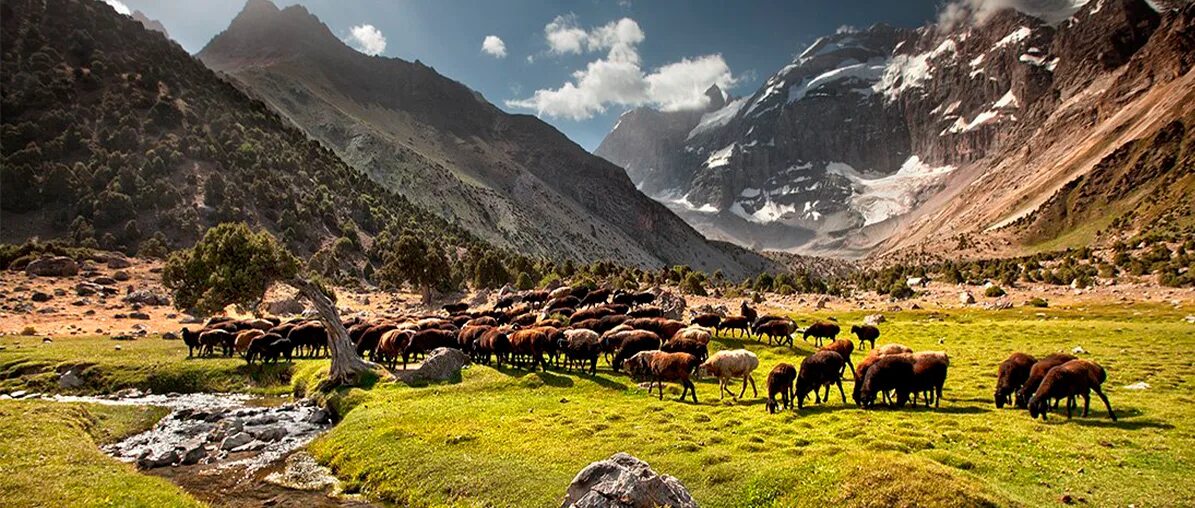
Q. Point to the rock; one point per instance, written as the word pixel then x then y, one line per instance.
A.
pixel 169 336
pixel 720 310
pixel 47 310
pixel 120 275
pixel 822 302
pixel 193 452
pixel 441 365
pixel 263 419
pixel 69 380
pixel 284 306
pixel 1078 350
pixel 506 291
pixel 623 481
pixel 86 288
pixel 319 416
pixel 104 281
pixel 39 297
pixel 81 302
pixel 18 394
pixel 188 319
pixel 874 319
pixel 966 298
pixel 157 458
pixel 118 261
pixel 146 297
pixel 1190 319
pixel 54 266
pixel 236 440
pixel 138 315
pixel 271 433
pixel 671 303
pixel 998 305
pixel 1139 385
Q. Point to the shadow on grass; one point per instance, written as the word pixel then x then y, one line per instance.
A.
pixel 549 378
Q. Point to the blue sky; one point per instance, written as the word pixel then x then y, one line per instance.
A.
pixel 626 49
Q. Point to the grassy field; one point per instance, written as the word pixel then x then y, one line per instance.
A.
pixel 150 363
pixel 511 438
pixel 49 456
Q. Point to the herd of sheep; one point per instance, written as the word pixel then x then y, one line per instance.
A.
pixel 575 327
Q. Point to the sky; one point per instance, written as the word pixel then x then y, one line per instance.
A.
pixel 577 65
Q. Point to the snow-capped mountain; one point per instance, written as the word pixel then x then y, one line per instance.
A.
pixel 866 131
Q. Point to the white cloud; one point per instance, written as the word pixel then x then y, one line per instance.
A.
pixel 493 46
pixel 367 39
pixel 618 78
pixel 977 12
pixel 120 7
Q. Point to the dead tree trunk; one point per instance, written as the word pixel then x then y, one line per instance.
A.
pixel 346 367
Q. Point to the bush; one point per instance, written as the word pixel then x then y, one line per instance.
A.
pixel 1037 302
pixel 994 292
pixel 693 284
pixel 900 290
pixel 524 281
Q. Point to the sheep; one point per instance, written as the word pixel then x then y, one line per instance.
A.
pixel 646 312
pixel 424 341
pixel 560 292
pixel 821 369
pixel 707 320
pixel 530 344
pixel 580 346
pixel 644 298
pixel 748 312
pixel 1069 380
pixel 665 328
pixel 391 344
pixel 623 298
pixel 595 297
pixel 368 341
pixel 1037 373
pixel 778 331
pixel 591 313
pixel 890 372
pixel 455 308
pixel 269 347
pixel 634 342
pixel 191 339
pixel 866 333
pixel 506 302
pixel 755 323
pixel 579 291
pixel 780 381
pixel 1011 375
pixel 739 323
pixel 610 322
pixel 495 342
pixel 821 330
pixel 283 329
pixel 310 335
pixel 482 321
pixel 890 349
pixel 555 323
pixel 255 324
pixel 661 366
pixel 356 330
pixel 929 375
pixel 696 333
pixel 733 364
pixel 567 302
pixel 844 348
pixel 683 345
pixel 617 308
pixel 469 336
pixel 524 319
pixel 209 339
pixel 612 340
pixel 245 337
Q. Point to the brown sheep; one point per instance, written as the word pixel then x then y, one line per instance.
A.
pixel 890 349
pixel 739 323
pixel 778 331
pixel 662 366
pixel 646 312
pixel 424 341
pixel 506 302
pixel 569 302
pixel 580 347
pixel 482 321
pixel 593 313
pixel 634 342
pixel 844 348
pixel 535 297
pixel 245 337
pixel 495 342
pixel 780 381
pixel 309 336
pixel 821 330
pixel 696 333
pixel 821 369
pixel 707 320
pixel 748 312
pixel 455 308
pixel 531 345
pixel 210 339
pixel 929 375
pixel 1075 378
pixel 1037 373
pixel 469 336
pixel 665 328
pixel 255 324
pixel 890 372
pixel 391 344
pixel 595 297
pixel 644 298
pixel 368 341
pixel 682 345
pixel 866 333
pixel 1011 375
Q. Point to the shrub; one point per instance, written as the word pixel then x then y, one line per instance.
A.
pixel 994 292
pixel 1037 302
pixel 524 281
pixel 693 284
pixel 900 290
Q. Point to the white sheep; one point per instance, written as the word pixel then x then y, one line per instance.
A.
pixel 696 333
pixel 560 292
pixel 733 364
pixel 581 336
pixel 890 349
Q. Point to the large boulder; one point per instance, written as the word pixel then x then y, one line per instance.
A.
pixel 442 364
pixel 53 266
pixel 283 307
pixel 147 297
pixel 671 303
pixel 623 481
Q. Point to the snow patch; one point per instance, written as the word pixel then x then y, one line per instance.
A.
pixel 904 72
pixel 675 198
pixel 879 199
pixel 1007 101
pixel 721 157
pixel 868 72
pixel 719 118
pixel 1015 37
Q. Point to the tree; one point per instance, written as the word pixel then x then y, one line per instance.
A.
pixel 490 272
pixel 693 284
pixel 524 282
pixel 231 264
pixel 416 262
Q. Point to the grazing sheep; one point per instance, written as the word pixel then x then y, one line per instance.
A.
pixel 1011 375
pixel 707 320
pixel 929 375
pixel 1037 373
pixel 482 321
pixel 697 333
pixel 191 339
pixel 866 333
pixel 646 312
pixel 493 343
pixel 209 339
pixel 591 313
pixel 733 364
pixel 560 292
pixel 506 302
pixel 631 343
pixel 683 345
pixel 579 291
pixel 821 369
pixel 455 308
pixel 780 381
pixel 245 337
pixel 612 340
pixel 844 348
pixel 1075 378
pixel 567 302
pixel 644 298
pixel 283 329
pixel 748 312
pixel 255 324
pixel 890 349
pixel 424 341
pixel 270 347
pixel 739 323
pixel 580 347
pixel 391 344
pixel 554 323
pixel 368 341
pixel 665 328
pixel 535 297
pixel 309 335
pixel 778 331
pixel 469 336
pixel 610 322
pixel 530 344
pixel 890 372
pixel 660 366
pixel 595 297
pixel 356 330
pixel 821 330
pixel 621 297
pixel 524 320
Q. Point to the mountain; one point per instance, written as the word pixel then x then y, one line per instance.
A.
pixel 512 180
pixel 112 133
pixel 151 24
pixel 968 139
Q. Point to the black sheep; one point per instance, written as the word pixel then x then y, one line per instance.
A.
pixel 780 381
pixel 1012 373
pixel 821 369
pixel 635 342
pixel 269 347
pixel 892 372
pixel 821 330
pixel 866 333
pixel 1037 373
pixel 1076 378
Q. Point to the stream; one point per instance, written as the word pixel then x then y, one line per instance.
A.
pixel 231 449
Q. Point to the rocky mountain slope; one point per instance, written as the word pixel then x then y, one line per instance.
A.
pixel 942 138
pixel 510 179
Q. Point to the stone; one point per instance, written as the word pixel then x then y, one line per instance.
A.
pixel 1078 350
pixel 104 281
pixel 671 303
pixel 284 306
pixel 188 319
pixel 319 416
pixel 442 364
pixel 236 440
pixel 720 310
pixel 117 261
pixel 39 296
pixel 86 289
pixel 59 292
pixel 157 458
pixel 53 266
pixel 1139 385
pixel 270 433
pixel 69 380
pixel 193 452
pixel 623 481
pixel 169 336
pixel 966 298
pixel 120 275
pixel 138 315
pixel 145 297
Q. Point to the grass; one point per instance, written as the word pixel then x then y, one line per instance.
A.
pixel 510 438
pixel 49 457
pixel 150 363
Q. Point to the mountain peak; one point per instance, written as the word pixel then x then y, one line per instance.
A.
pixel 263 33
pixel 717 97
